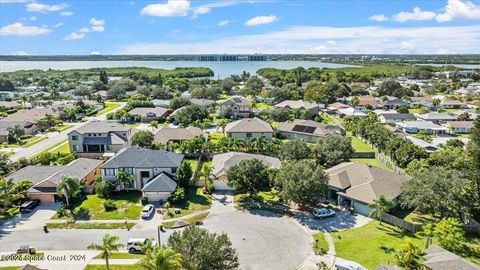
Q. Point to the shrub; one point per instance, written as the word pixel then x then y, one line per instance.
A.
pixel 178 195
pixel 109 205
pixel 13 211
pixel 104 188
pixel 63 212
pixel 81 213
pixel 144 200
pixel 167 205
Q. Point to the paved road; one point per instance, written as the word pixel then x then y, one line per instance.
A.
pixel 56 138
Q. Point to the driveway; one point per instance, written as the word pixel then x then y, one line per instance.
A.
pixel 31 221
pixel 341 221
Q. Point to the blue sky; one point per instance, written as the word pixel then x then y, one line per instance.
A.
pixel 233 26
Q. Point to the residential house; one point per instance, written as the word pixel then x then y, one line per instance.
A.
pixel 426 127
pixel 207 103
pixel 367 101
pixel 10 105
pixel 451 104
pixel 240 107
pixel 438 141
pixel 164 103
pixel 98 137
pixel 352 112
pixel 299 105
pixel 396 117
pixel 27 119
pixel 166 134
pixel 428 147
pixel 308 130
pixel 148 114
pixel 45 179
pixel 437 258
pixel 459 127
pixel 472 115
pixel 249 128
pixel 221 163
pixel 153 171
pixel 436 117
pixel 334 107
pixel 393 103
pixel 356 185
pixel 426 102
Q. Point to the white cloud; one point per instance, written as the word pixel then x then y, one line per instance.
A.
pixel 223 23
pixel 57 25
pixel 18 29
pixel 97 25
pixel 416 15
pixel 74 36
pixel 378 18
pixel 172 8
pixel 331 42
pixel 314 39
pixel 200 10
pixel 19 53
pixel 95 53
pixel 442 51
pixel 84 30
pixel 13 1
pixel 44 8
pixel 66 13
pixel 261 20
pixel 458 9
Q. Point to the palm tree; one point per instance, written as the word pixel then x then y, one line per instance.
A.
pixel 68 187
pixel 408 255
pixel 162 259
pixel 123 178
pixel 379 207
pixel 206 172
pixel 154 124
pixel 109 244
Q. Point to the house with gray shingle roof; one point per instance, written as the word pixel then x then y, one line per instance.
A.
pixel 249 128
pixel 160 187
pixel 148 114
pixel 308 130
pixel 437 258
pixel 356 185
pixel 144 165
pixel 241 107
pixel 300 105
pixel 45 179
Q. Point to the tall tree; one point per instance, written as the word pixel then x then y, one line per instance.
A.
pixel 161 259
pixel 380 206
pixel 123 178
pixel 143 138
pixel 474 149
pixel 333 149
pixel 109 244
pixel 294 150
pixel 69 187
pixel 184 174
pixel 249 176
pixel 408 256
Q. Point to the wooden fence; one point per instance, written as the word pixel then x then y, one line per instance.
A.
pixel 393 220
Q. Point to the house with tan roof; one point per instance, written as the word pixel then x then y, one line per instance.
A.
pixel 249 128
pixel 45 179
pixel 299 105
pixel 459 127
pixel 27 120
pixel 166 134
pixel 148 114
pixel 356 185
pixel 308 130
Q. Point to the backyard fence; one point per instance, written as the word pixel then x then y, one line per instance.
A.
pixel 393 220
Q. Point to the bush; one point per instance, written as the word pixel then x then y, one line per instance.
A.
pixel 178 196
pixel 13 211
pixel 81 213
pixel 144 200
pixel 167 205
pixel 104 188
pixel 109 205
pixel 63 212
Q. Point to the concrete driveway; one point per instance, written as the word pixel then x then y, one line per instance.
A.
pixel 31 221
pixel 341 221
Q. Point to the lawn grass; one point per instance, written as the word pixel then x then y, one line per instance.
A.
pixel 372 244
pixel 371 161
pixel 215 137
pixel 192 162
pixel 133 125
pixel 10 267
pixel 50 148
pixel 264 196
pixel 195 201
pixel 114 267
pixel 63 149
pixel 360 146
pixel 31 141
pixel 61 128
pixel 108 107
pixel 263 105
pixel 325 119
pixel 126 202
pixel 320 245
pixel 122 255
pixel 191 220
pixel 89 226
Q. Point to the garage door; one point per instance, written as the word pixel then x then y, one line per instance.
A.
pixel 44 198
pixel 156 197
pixel 221 185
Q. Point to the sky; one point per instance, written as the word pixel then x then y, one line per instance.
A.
pixel 239 27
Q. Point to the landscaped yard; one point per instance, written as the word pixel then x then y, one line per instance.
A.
pixel 126 202
pixel 191 220
pixel 359 146
pixel 263 105
pixel 195 201
pixel 63 149
pixel 61 128
pixel 49 149
pixel 108 107
pixel 215 137
pixel 320 245
pixel 265 200
pixel 326 119
pixel 86 226
pixel 371 161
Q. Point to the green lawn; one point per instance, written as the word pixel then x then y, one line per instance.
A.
pixel 61 128
pixel 88 226
pixel 371 161
pixel 263 196
pixel 126 202
pixel 263 105
pixel 267 200
pixel 372 244
pixel 326 119
pixel 215 137
pixel 195 201
pixel 114 267
pixel 359 146
pixel 133 125
pixel 190 220
pixel 10 267
pixel 26 142
pixel 63 149
pixel 122 255
pixel 108 107
pixel 193 163
pixel 50 148
pixel 320 245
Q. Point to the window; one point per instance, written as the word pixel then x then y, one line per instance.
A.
pixel 74 138
pixel 76 147
pixel 249 135
pixel 174 170
pixel 128 170
pixel 109 172
pixel 109 147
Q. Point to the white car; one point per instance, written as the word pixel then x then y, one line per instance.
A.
pixel 323 213
pixel 134 245
pixel 148 210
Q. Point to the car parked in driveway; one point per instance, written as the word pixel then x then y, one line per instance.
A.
pixel 134 245
pixel 148 210
pixel 28 206
pixel 323 213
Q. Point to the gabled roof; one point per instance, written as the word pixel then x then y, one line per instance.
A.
pixel 222 162
pixel 420 125
pixel 158 111
pixel 364 182
pixel 437 258
pixel 133 157
pixel 436 116
pixel 309 127
pixel 296 104
pixel 101 127
pixel 166 134
pixel 460 124
pixel 163 182
pixel 202 101
pixel 403 116
pixel 249 125
pixel 236 100
pixel 31 116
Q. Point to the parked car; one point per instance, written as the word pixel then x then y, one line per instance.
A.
pixel 134 245
pixel 28 206
pixel 323 213
pixel 26 249
pixel 148 210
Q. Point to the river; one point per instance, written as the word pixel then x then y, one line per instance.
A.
pixel 221 69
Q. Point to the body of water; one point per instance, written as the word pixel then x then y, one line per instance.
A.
pixel 466 66
pixel 221 69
